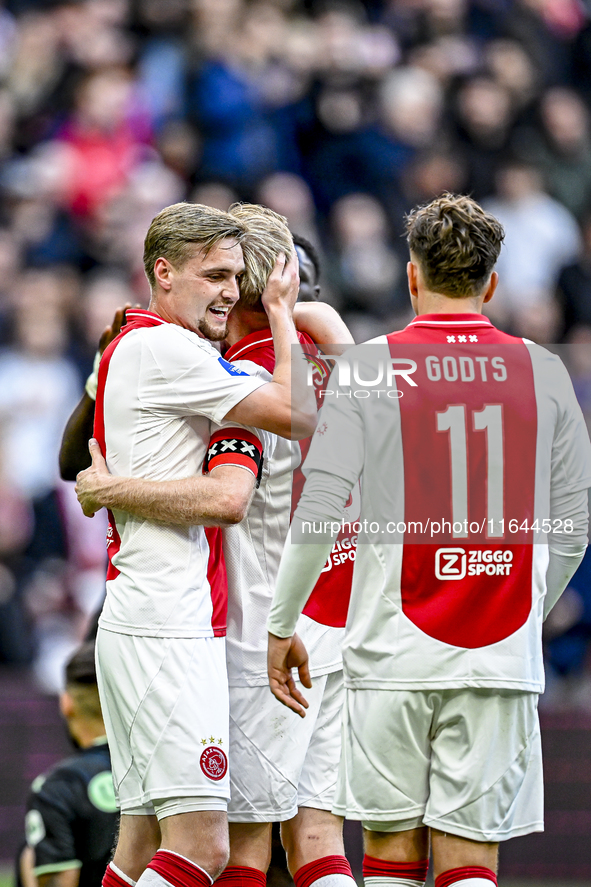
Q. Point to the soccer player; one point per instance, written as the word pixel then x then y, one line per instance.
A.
pixel 282 769
pixel 448 420
pixel 160 647
pixel 71 812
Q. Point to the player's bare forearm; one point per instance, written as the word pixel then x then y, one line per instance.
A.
pixel 74 455
pixel 324 325
pixel 221 498
pixel 283 654
pixel 67 878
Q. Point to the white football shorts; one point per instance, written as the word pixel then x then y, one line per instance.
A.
pixel 280 761
pixel 165 707
pixel 464 761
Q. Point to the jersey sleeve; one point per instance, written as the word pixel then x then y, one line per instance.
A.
pixel 571 449
pixel 235 445
pixel 51 811
pixel 337 446
pixel 197 380
pixel 242 445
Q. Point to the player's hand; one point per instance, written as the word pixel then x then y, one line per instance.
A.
pixel 91 481
pixel 112 331
pixel 283 284
pixel 284 654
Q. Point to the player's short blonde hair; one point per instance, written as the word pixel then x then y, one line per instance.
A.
pixel 268 235
pixel 179 229
pixel 456 243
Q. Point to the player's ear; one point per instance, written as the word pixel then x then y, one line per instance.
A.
pixel 492 285
pixel 163 272
pixel 66 705
pixel 412 274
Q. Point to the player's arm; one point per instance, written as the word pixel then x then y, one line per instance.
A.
pixel 220 498
pixel 67 878
pixel 324 325
pixel 286 405
pixel 26 864
pixel 569 485
pixel 73 455
pixel 315 526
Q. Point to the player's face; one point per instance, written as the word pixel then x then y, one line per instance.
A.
pixel 309 290
pixel 199 295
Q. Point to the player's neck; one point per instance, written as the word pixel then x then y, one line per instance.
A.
pixel 242 321
pixel 428 302
pixel 86 732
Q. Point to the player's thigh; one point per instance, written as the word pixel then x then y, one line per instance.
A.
pixel 486 771
pixel 166 717
pixel 318 777
pixel 268 744
pixel 384 771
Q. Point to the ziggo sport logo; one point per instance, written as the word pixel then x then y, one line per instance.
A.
pixel 453 563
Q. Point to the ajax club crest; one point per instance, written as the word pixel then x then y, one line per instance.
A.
pixel 214 762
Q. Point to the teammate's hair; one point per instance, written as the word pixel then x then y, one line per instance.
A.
pixel 81 682
pixel 267 236
pixel 310 250
pixel 178 229
pixel 456 243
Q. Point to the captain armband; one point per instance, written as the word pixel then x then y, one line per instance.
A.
pixel 235 446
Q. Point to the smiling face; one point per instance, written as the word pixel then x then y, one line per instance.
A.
pixel 200 293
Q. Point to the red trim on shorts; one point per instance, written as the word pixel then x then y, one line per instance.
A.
pixel 178 871
pixel 319 868
pixel 112 879
pixel 241 876
pixel 218 581
pixel 454 876
pixel 383 868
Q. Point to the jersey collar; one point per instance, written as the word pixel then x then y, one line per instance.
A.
pixel 141 317
pixel 439 320
pixel 241 348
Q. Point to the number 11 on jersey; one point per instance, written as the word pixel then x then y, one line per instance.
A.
pixel 490 420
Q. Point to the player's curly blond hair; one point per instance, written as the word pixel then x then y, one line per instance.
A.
pixel 456 243
pixel 267 236
pixel 178 229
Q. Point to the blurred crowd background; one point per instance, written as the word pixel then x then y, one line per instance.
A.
pixel 339 114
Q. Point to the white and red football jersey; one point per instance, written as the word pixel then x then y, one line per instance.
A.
pixel 253 547
pixel 466 438
pixel 160 388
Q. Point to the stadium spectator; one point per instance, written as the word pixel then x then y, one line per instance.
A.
pixel 541 235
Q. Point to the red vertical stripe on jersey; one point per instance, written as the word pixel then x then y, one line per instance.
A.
pixel 218 580
pixel 329 602
pixel 113 538
pixel 476 590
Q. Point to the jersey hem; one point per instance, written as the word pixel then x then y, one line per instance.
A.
pixel 475 834
pixel 495 683
pixel 159 794
pixel 266 816
pixel 57 867
pixel 151 632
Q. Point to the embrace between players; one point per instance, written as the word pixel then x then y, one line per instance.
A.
pixel 442 670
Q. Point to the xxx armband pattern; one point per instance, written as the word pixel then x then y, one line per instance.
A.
pixel 235 446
